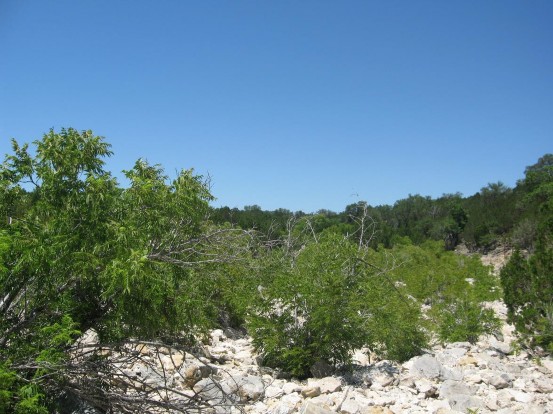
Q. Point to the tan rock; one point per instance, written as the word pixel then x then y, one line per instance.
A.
pixel 310 392
pixel 192 374
pixel 310 408
pixel 143 349
pixel 177 359
pixel 468 360
pixel 377 410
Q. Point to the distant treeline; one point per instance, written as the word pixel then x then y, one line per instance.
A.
pixel 495 214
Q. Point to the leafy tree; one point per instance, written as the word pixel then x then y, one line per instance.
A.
pixel 528 283
pixel 492 214
pixel 85 253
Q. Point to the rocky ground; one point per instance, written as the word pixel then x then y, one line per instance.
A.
pixel 487 377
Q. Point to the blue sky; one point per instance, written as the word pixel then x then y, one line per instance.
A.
pixel 296 104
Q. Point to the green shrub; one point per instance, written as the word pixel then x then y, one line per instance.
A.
pixel 528 294
pixel 310 310
pixel 466 320
pixel 330 300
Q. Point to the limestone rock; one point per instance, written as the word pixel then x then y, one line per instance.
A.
pixel 327 385
pixel 521 396
pixel 89 339
pixel 215 393
pixel 250 388
pixel 310 392
pixel 287 404
pixel 350 406
pixel 273 392
pixel 498 381
pixel 464 403
pixel 291 387
pixel 143 349
pixel 378 410
pixel 468 360
pixel 426 366
pixel 192 374
pixel 453 379
pixel 310 408
pixel 450 389
pixel 425 387
pixel 544 385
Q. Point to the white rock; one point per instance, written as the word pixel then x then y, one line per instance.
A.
pixel 89 339
pixel 291 387
pixel 498 381
pixel 519 384
pixel 426 366
pixel 217 335
pixel 504 348
pixel 505 398
pixel 464 403
pixel 273 392
pixel 250 387
pixel 359 397
pixel 543 385
pixel 259 407
pixel 425 387
pixel 311 408
pixel 434 405
pixel 491 401
pixel 350 406
pixel 450 389
pixel 209 390
pixel 473 378
pixel 464 345
pixel 547 363
pixel 287 404
pixel 384 400
pixel 361 357
pixel 451 356
pixel 521 396
pixel 219 350
pixel 245 357
pixel 327 384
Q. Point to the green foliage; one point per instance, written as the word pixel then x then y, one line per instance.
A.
pixel 528 283
pixel 308 312
pixel 465 320
pixel 30 401
pixel 396 329
pixel 524 234
pixel 7 380
pixel 325 303
pixel 453 286
pixel 492 213
pixel 528 287
pixel 309 303
pixel 82 253
pixel 436 276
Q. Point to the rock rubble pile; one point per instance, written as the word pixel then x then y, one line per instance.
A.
pixel 486 377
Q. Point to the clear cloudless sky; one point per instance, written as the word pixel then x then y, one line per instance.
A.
pixel 302 105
